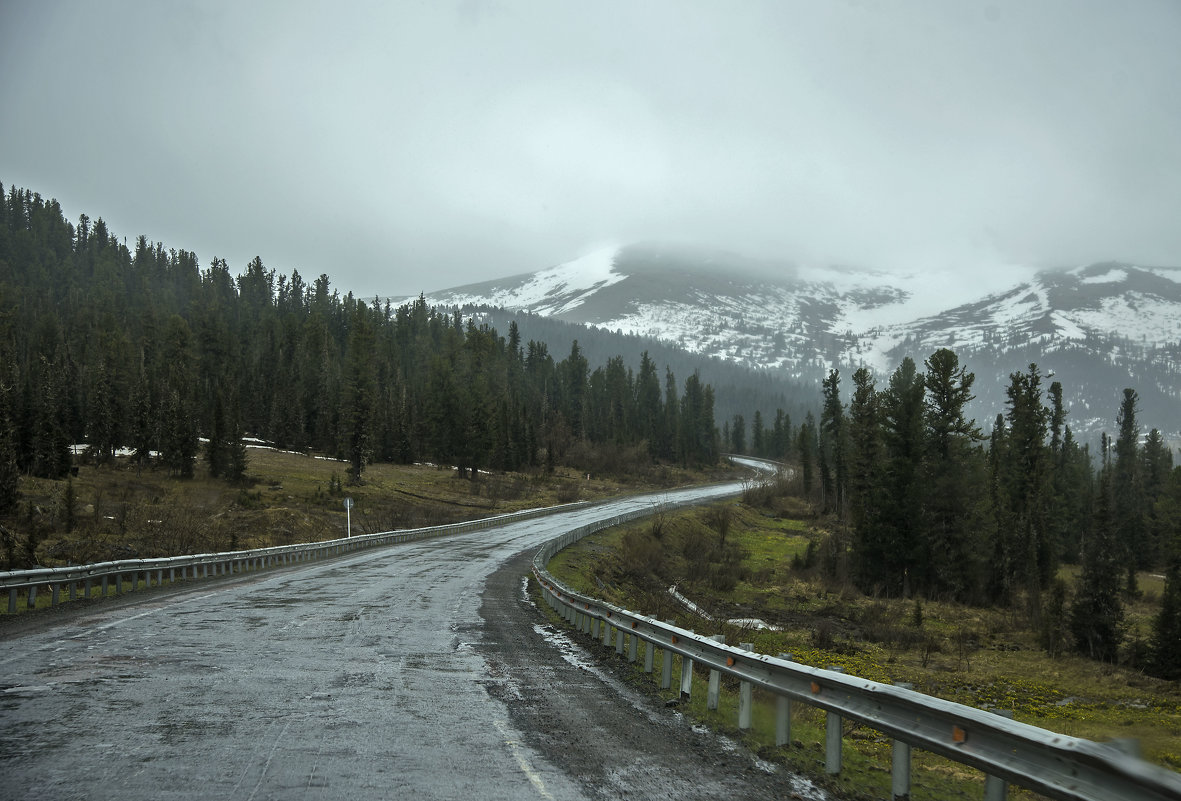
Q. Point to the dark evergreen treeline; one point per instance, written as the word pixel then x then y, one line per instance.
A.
pixel 141 348
pixel 737 389
pixel 936 509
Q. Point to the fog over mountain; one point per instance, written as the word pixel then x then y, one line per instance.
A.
pixel 1098 328
pixel 405 147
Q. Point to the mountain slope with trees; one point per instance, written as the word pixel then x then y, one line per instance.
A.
pixel 140 350
pixel 922 504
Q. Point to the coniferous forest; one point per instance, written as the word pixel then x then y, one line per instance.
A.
pixel 925 505
pixel 142 349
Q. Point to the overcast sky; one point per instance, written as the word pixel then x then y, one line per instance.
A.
pixel 412 146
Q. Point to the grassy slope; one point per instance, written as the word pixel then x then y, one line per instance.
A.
pixel 976 656
pixel 119 512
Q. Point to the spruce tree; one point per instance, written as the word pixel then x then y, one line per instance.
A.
pixel 833 455
pixel 360 396
pixel 1156 464
pixel 1128 491
pixel 9 472
pixel 899 515
pixel 1096 616
pixel 51 441
pixel 738 434
pixel 952 480
pixel 670 432
pixel 806 447
pixel 1025 477
pixel 236 460
pixel 648 406
pixel 1166 630
pixel 758 443
pixel 865 476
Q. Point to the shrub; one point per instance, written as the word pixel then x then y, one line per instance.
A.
pixel 641 554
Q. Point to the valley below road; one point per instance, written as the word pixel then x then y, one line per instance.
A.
pixel 420 670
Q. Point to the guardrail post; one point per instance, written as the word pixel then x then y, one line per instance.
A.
pixel 160 577
pixel 86 588
pixel 832 736
pixel 32 600
pixel 745 702
pixel 55 592
pixel 714 690
pixel 633 647
pixel 649 657
pixel 12 600
pixel 73 590
pixel 900 769
pixel 997 789
pixel 666 667
pixel 147 581
pixel 619 635
pixel 783 714
pixel 605 630
pixel 686 676
pixel 104 585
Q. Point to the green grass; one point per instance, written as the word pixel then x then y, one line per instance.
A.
pixel 865 756
pixel 981 657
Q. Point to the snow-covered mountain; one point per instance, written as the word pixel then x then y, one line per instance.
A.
pixel 1098 328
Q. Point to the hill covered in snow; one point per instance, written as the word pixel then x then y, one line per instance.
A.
pixel 1098 328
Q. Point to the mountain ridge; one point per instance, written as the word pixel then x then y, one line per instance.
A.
pixel 1109 318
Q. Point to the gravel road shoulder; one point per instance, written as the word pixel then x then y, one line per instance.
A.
pixel 577 710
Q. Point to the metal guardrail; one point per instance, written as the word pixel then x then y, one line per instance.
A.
pixel 55 579
pixel 1055 765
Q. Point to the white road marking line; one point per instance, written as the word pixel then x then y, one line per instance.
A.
pixel 533 776
pixel 88 632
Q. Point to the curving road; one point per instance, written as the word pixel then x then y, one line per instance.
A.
pixel 419 670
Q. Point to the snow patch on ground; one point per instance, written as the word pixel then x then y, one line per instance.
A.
pixel 549 291
pixel 1067 327
pixel 1109 277
pixel 1135 316
pixel 1170 273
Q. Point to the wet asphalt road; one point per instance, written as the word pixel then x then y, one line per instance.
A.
pixel 371 676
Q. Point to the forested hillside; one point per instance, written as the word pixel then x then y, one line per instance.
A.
pixel 923 504
pixel 738 389
pixel 143 349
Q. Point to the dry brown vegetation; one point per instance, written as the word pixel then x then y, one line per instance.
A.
pixel 118 512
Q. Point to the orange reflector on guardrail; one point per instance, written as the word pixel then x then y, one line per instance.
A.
pixel 815 687
pixel 674 639
pixel 729 661
pixel 958 735
pixel 634 624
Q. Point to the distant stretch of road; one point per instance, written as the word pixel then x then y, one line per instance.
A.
pixel 419 671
